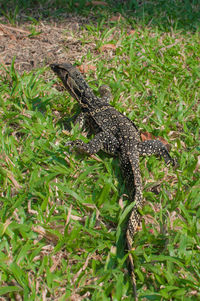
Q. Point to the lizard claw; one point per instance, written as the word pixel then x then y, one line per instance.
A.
pixel 175 163
pixel 76 143
pixel 171 161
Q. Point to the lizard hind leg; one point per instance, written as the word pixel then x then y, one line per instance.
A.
pixel 155 147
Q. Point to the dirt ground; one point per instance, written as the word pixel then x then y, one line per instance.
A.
pixel 56 42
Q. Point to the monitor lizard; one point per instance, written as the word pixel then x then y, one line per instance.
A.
pixel 115 134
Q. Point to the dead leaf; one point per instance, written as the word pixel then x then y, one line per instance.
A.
pixel 92 206
pixel 56 261
pixel 108 47
pixel 96 3
pixel 11 177
pixel 169 46
pixel 11 46
pixel 15 29
pixel 7 32
pixel 131 32
pixel 166 144
pixel 121 205
pixel 146 136
pixel 45 233
pixel 5 226
pixel 117 17
pixel 162 140
pixel 86 68
pixel 74 296
pixel 96 158
pixel 68 215
pixel 30 210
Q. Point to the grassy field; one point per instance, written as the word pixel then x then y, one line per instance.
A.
pixel 62 214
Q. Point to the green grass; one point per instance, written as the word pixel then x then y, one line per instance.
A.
pixel 61 225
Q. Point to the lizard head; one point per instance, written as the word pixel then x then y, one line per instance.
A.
pixel 71 78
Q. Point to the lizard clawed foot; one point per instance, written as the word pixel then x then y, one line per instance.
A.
pixel 70 144
pixel 79 144
pixel 173 162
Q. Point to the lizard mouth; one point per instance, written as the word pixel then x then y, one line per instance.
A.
pixel 54 66
pixel 59 70
pixel 64 66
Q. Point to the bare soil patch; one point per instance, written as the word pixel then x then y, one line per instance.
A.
pixel 56 42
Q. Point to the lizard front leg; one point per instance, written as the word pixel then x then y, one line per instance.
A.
pixel 101 141
pixel 81 119
pixel 154 147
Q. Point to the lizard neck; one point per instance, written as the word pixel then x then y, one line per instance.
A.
pixel 87 99
pixel 83 94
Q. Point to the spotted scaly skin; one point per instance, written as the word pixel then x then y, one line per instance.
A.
pixel 115 134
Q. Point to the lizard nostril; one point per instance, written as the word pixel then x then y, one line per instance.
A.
pixel 53 66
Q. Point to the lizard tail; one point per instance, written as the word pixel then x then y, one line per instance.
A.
pixel 131 229
pixel 134 186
